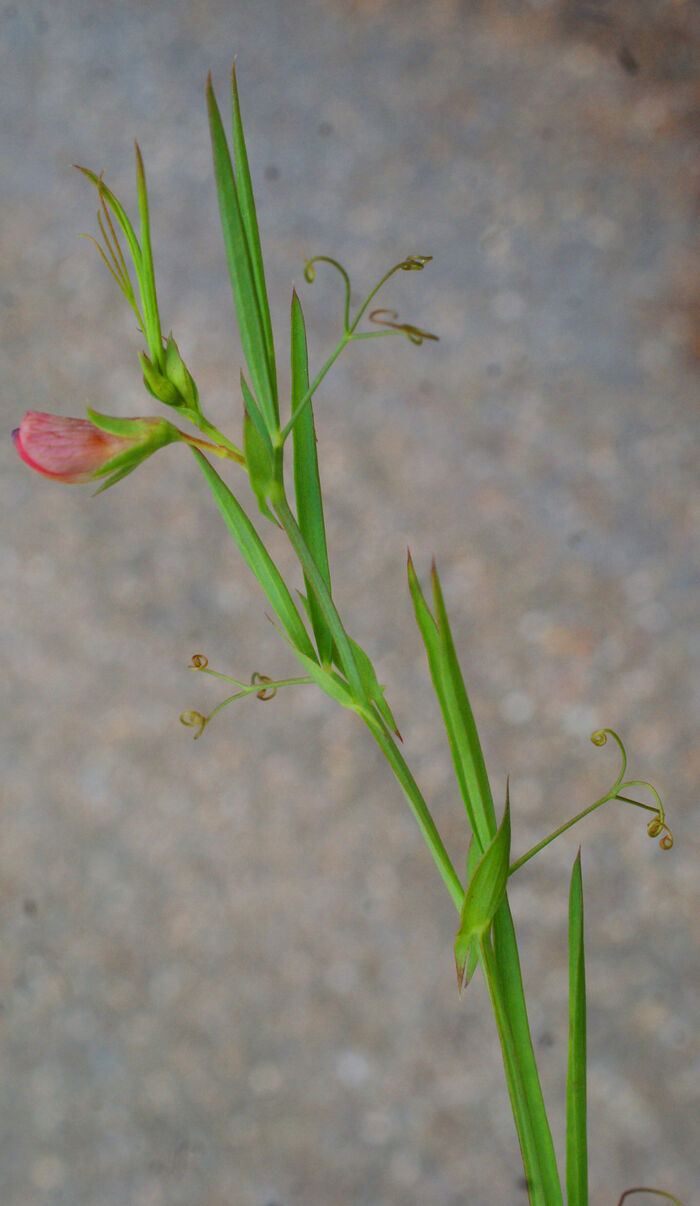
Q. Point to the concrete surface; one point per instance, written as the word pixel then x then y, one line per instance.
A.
pixel 225 973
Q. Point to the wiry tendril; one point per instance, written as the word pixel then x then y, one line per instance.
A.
pixel 661 1193
pixel 199 662
pixel 265 692
pixel 194 720
pixel 657 826
pixel 310 276
pixel 389 319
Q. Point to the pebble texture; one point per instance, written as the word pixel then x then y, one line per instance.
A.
pixel 225 971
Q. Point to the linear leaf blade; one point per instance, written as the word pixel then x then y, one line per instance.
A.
pixel 246 201
pixel 147 279
pixel 307 482
pixel 467 746
pixel 457 716
pixel 576 1137
pixel 245 295
pixel 484 894
pixel 257 558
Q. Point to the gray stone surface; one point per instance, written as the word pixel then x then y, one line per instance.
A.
pixel 225 971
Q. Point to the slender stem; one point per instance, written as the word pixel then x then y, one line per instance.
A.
pixel 374 292
pixel 524 1122
pixel 418 805
pixel 525 858
pixel 320 589
pixel 344 339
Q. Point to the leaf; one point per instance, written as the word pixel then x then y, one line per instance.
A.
pixel 466 747
pixel 373 690
pixel 147 279
pixel 259 465
pixel 246 201
pixel 257 558
pixel 484 894
pixel 576 1139
pixel 307 483
pixel 457 715
pixel 253 411
pixel 245 294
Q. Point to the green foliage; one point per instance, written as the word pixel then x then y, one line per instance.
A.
pixel 484 894
pixel 576 1137
pixel 338 664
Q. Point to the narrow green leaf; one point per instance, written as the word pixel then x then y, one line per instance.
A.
pixel 253 411
pixel 307 483
pixel 456 711
pixel 246 201
pixel 245 295
pixel 484 894
pixel 373 690
pixel 548 1188
pixel 465 735
pixel 576 1139
pixel 317 584
pixel 259 465
pixel 506 950
pixel 257 558
pixel 178 373
pixel 542 1183
pixel 147 279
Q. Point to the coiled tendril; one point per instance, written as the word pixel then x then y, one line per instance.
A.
pixel 199 662
pixel 265 692
pixel 415 334
pixel 657 826
pixel 412 263
pixel 194 720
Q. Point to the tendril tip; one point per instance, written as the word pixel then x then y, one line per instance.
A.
pixel 415 263
pixel 194 720
pixel 199 662
pixel 388 318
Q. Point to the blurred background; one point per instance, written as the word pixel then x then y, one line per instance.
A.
pixel 226 971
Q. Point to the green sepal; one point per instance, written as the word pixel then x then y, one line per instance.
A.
pixel 148 435
pixel 486 890
pixel 158 386
pixel 179 375
pixel 259 465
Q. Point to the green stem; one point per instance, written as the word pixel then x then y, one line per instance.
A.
pixel 323 595
pixel 540 1188
pixel 525 858
pixel 418 805
pixel 345 338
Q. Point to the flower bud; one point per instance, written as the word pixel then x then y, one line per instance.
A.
pixel 82 450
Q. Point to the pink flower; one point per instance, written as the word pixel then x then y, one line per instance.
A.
pixel 78 450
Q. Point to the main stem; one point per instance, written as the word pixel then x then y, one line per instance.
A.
pixel 505 978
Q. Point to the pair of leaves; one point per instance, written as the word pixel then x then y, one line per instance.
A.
pixel 242 242
pixel 462 734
